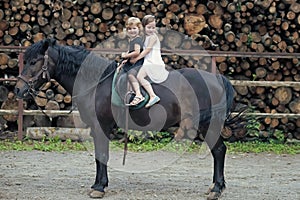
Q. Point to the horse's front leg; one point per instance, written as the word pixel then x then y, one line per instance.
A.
pixel 101 144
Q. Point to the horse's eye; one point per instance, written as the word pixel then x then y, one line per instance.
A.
pixel 32 62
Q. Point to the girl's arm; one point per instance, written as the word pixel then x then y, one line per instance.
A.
pixel 152 41
pixel 132 54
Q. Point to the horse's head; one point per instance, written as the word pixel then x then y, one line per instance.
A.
pixel 38 69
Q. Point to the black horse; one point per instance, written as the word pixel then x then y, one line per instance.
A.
pixel 192 99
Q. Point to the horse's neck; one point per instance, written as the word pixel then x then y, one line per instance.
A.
pixel 80 87
pixel 67 82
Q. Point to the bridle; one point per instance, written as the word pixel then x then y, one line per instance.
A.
pixel 43 72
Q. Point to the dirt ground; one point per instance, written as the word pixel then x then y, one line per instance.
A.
pixel 39 175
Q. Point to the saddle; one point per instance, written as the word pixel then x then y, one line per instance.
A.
pixel 121 93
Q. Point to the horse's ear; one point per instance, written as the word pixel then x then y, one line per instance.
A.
pixel 49 42
pixel 52 53
pixel 52 42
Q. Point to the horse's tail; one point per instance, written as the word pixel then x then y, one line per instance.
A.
pixel 235 123
pixel 229 94
pixel 230 103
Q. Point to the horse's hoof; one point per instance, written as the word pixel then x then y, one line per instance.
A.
pixel 214 195
pixel 210 188
pixel 96 194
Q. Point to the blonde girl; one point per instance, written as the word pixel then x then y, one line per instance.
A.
pixel 133 28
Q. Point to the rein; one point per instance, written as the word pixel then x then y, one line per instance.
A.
pixel 100 81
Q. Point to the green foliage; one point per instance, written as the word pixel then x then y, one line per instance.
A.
pixel 250 39
pixel 259 147
pixel 273 135
pixel 279 137
pixel 152 141
pixel 239 6
pixel 51 144
pixel 143 136
pixel 164 145
pixel 253 127
pixel 236 147
pixel 254 76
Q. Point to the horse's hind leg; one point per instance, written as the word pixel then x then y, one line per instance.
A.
pixel 218 150
pixel 218 186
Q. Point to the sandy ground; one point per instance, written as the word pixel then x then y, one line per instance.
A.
pixel 156 175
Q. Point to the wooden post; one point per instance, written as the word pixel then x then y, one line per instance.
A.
pixel 213 65
pixel 20 103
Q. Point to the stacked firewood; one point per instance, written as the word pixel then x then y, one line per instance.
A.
pixel 51 96
pixel 238 25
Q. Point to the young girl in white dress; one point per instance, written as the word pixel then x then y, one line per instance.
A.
pixel 153 66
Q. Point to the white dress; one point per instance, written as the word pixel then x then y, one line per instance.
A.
pixel 153 63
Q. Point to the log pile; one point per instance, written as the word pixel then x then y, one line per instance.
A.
pixel 51 96
pixel 238 25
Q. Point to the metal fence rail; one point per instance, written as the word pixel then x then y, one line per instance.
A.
pixel 20 112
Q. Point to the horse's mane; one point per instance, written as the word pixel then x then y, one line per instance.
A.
pixel 38 48
pixel 70 58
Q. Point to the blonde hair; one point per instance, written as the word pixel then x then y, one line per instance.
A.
pixel 148 19
pixel 134 21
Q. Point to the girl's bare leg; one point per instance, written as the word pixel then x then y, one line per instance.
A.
pixel 141 78
pixel 135 85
